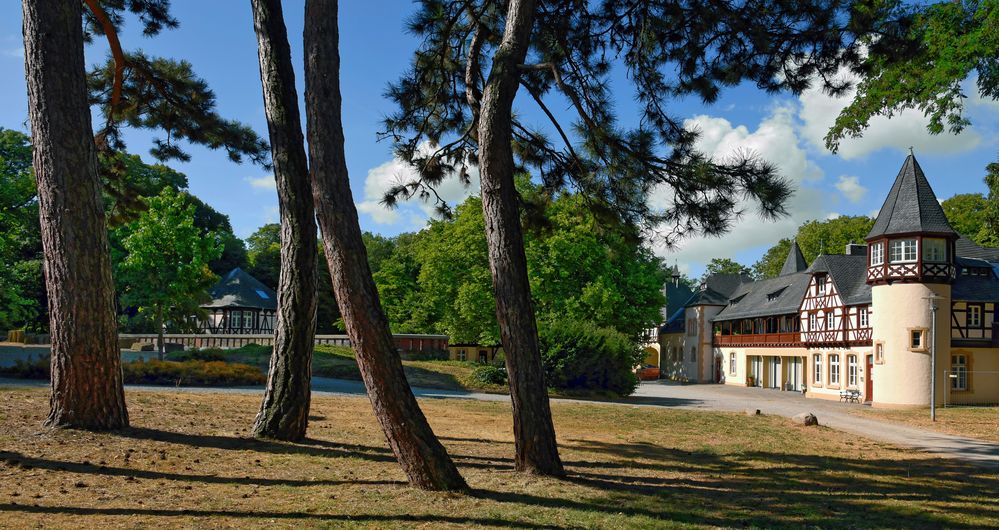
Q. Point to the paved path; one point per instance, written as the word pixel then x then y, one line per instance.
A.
pixel 698 397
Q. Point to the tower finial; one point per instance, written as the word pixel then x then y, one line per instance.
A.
pixel 910 151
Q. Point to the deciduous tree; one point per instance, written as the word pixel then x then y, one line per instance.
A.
pixel 165 270
pixel 815 237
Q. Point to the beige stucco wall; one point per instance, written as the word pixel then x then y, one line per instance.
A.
pixel 904 377
pixel 983 377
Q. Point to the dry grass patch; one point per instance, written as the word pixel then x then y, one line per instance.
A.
pixel 973 422
pixel 185 463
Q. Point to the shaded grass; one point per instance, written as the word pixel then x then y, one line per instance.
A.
pixel 186 463
pixel 973 422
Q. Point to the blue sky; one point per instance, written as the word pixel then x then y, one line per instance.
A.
pixel 217 38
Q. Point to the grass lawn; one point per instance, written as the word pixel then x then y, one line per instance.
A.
pixel 972 422
pixel 185 463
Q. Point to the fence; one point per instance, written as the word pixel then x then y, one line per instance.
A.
pixel 971 388
pixel 404 342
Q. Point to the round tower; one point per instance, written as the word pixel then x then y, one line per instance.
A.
pixel 910 260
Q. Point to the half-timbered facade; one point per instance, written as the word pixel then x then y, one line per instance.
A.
pixel 858 323
pixel 240 305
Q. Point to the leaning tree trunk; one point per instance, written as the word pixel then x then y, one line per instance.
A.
pixel 534 433
pixel 86 364
pixel 284 413
pixel 418 450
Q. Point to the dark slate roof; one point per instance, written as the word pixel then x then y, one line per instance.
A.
pixel 911 206
pixel 239 289
pixel 849 275
pixel 976 288
pixel 753 299
pixel 675 323
pixel 795 261
pixel 967 248
pixel 676 298
pixel 717 289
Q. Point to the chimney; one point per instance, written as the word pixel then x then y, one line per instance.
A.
pixel 853 249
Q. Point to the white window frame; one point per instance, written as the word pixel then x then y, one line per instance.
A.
pixel 903 250
pixel 820 283
pixel 247 319
pixel 830 320
pixel 817 361
pixel 731 363
pixel 864 318
pixel 974 318
pixel 235 319
pixel 833 368
pixel 935 250
pixel 878 253
pixel 813 322
pixel 959 368
pixel 851 370
pixel 462 355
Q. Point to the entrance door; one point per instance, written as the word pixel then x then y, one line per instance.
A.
pixel 869 383
pixel 794 374
pixel 718 369
pixel 757 370
pixel 775 373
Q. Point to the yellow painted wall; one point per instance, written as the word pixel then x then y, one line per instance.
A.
pixel 472 352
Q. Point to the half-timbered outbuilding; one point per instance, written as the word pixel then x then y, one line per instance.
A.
pixel 859 324
pixel 240 304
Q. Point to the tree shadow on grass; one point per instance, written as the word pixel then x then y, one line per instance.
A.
pixel 311 447
pixel 27 462
pixel 315 517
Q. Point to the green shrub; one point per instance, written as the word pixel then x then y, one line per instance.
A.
pixel 207 354
pixel 192 373
pixel 173 373
pixel 488 374
pixel 582 356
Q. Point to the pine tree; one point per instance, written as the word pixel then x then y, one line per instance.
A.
pixel 456 111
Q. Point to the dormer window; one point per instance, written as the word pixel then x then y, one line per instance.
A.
pixel 902 251
pixel 934 250
pixel 878 253
pixel 821 282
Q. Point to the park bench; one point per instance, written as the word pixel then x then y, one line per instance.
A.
pixel 850 396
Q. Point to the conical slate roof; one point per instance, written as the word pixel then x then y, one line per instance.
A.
pixel 795 261
pixel 239 289
pixel 911 206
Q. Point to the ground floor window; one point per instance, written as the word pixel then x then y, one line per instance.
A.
pixel 731 363
pixel 462 356
pixel 834 369
pixel 959 368
pixel 851 370
pixel 818 369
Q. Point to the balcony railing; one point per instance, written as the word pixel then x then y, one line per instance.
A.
pixel 759 339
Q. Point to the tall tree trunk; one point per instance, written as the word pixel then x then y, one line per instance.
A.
pixel 418 450
pixel 284 413
pixel 534 433
pixel 87 387
pixel 159 331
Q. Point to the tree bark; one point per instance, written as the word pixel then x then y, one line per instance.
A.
pixel 418 450
pixel 534 433
pixel 284 413
pixel 86 382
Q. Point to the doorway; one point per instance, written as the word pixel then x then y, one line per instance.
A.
pixel 718 369
pixel 775 373
pixel 795 375
pixel 869 381
pixel 756 370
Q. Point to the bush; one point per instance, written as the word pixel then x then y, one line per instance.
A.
pixel 173 373
pixel 207 354
pixel 488 374
pixel 582 356
pixel 192 373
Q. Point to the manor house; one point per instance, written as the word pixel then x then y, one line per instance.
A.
pixel 859 324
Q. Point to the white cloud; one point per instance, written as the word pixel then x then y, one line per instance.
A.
pixel 775 140
pixel 907 128
pixel 265 182
pixel 851 188
pixel 415 211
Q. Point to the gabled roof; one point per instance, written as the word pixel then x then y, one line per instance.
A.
pixel 795 261
pixel 717 289
pixel 911 206
pixel 239 289
pixel 774 296
pixel 849 275
pixel 967 248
